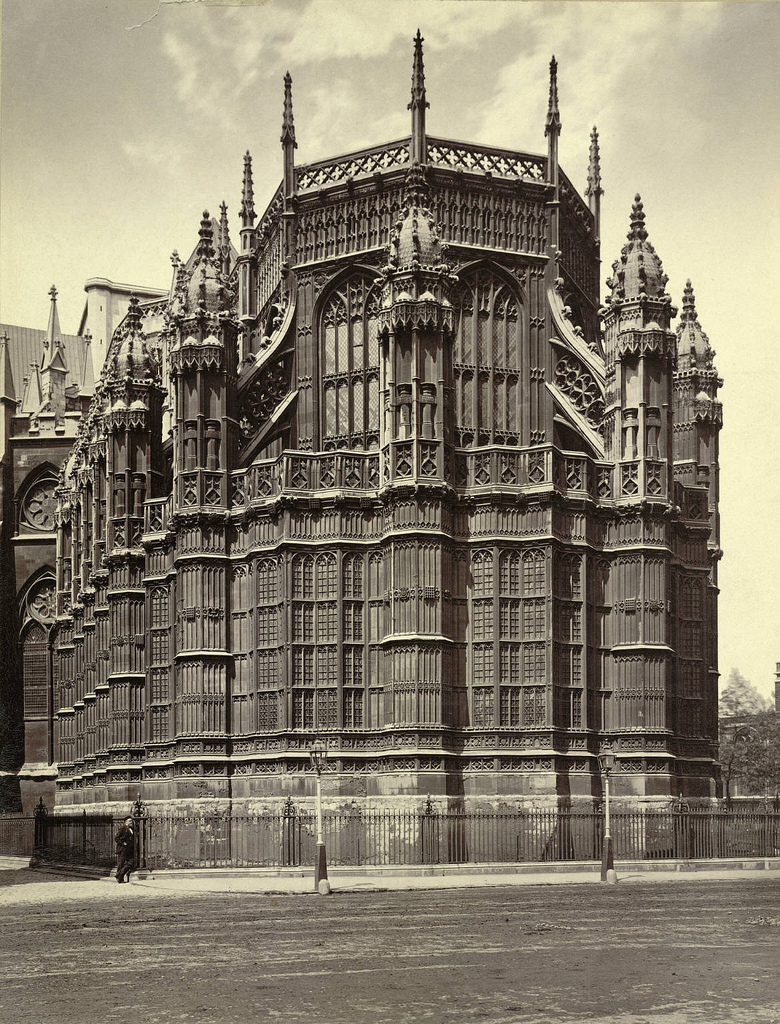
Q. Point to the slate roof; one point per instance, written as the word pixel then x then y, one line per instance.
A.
pixel 25 346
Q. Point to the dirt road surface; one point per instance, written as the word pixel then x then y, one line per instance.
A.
pixel 690 953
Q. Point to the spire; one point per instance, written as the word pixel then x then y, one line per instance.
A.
pixel 32 398
pixel 224 239
pixel 247 194
pixel 288 124
pixel 594 191
pixel 418 151
pixel 289 145
pixel 205 249
pixel 553 123
pixel 7 391
pixel 54 350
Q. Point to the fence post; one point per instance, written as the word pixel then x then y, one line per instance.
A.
pixel 39 836
pixel 289 858
pixel 84 836
pixel 428 837
pixel 140 816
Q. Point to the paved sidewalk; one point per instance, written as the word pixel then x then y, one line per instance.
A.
pixel 343 881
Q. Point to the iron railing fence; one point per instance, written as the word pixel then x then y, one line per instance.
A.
pixel 397 838
pixel 84 839
pixel 391 837
pixel 17 835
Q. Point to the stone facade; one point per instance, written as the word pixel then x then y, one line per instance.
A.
pixel 380 478
pixel 47 382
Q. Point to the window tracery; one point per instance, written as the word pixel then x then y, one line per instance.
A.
pixel 35 661
pixel 350 365
pixel 487 361
pixel 38 504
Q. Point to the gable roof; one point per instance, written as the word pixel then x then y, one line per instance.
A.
pixel 25 346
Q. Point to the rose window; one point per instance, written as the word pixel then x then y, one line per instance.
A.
pixel 40 506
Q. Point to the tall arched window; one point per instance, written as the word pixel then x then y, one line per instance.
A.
pixel 487 361
pixel 36 613
pixel 350 366
pixel 35 659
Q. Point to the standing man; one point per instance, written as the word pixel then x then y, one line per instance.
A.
pixel 125 850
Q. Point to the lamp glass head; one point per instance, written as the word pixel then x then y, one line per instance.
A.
pixel 318 755
pixel 607 760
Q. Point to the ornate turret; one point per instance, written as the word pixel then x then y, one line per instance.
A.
pixel 639 354
pixel 418 151
pixel 416 323
pixel 594 191
pixel 203 357
pixel 698 415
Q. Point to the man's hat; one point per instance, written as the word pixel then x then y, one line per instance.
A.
pixel 128 818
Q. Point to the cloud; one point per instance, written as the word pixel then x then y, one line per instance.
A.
pixel 164 154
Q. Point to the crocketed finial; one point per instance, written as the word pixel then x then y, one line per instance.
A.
pixel 224 238
pixel 553 123
pixel 206 237
pixel 418 75
pixel 688 304
pixel 594 166
pixel 133 318
pixel 52 341
pixel 638 232
pixel 418 105
pixel 288 124
pixel 247 194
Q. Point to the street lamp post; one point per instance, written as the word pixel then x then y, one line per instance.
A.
pixel 606 764
pixel 319 758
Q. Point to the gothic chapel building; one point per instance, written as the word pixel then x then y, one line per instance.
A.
pixel 377 477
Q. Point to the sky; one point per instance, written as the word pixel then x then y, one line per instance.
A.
pixel 121 121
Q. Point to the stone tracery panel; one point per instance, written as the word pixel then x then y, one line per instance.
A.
pixel 581 387
pixel 487 360
pixel 350 359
